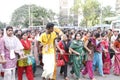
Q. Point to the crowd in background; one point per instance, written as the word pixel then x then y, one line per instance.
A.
pixel 85 51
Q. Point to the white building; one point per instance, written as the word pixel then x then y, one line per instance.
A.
pixel 65 6
pixel 118 6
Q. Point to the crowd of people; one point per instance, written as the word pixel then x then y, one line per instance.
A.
pixel 86 51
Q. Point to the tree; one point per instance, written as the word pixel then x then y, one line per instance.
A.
pixel 107 12
pixel 63 20
pixel 77 5
pixel 76 11
pixel 20 16
pixel 2 25
pixel 90 10
pixel 38 16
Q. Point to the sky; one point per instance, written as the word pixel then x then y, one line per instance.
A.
pixel 7 7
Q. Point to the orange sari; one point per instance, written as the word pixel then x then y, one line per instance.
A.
pixel 117 58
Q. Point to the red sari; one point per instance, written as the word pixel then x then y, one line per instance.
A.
pixel 65 47
pixel 106 58
pixel 117 58
pixel 65 55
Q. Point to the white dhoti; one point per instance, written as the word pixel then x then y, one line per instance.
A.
pixel 9 74
pixel 49 65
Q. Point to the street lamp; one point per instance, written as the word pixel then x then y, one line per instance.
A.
pixel 101 14
pixel 29 15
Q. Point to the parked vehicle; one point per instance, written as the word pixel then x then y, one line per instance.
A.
pixel 115 25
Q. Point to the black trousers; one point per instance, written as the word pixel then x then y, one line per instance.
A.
pixel 64 69
pixel 112 53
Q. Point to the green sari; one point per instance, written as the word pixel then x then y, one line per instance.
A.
pixel 77 59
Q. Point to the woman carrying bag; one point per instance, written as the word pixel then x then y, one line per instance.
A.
pixel 64 54
pixel 25 64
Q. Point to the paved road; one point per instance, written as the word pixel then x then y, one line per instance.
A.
pixel 107 77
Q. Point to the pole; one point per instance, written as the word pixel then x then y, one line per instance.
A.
pixel 29 16
pixel 101 17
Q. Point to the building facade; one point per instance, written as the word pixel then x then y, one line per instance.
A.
pixel 65 13
pixel 118 7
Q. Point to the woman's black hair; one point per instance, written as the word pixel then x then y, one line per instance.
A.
pixel 24 32
pixel 110 29
pixel 18 36
pixel 76 35
pixel 9 27
pixel 118 37
pixel 2 31
pixel 15 32
pixel 103 34
pixel 97 35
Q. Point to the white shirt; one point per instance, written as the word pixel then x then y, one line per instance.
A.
pixel 37 37
pixel 113 38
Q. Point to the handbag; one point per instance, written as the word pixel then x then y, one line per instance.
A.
pixel 60 61
pixel 31 60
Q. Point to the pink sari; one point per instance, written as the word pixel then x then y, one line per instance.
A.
pixel 106 58
pixel 117 63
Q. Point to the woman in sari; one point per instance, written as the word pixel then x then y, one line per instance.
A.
pixel 89 46
pixel 116 48
pixel 76 48
pixel 105 54
pixel 25 64
pixel 64 53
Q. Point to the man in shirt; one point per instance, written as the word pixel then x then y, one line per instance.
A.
pixel 47 39
pixel 114 36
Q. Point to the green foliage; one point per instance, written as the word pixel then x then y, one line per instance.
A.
pixel 20 16
pixel 38 16
pixel 91 10
pixel 107 12
pixel 63 20
pixel 76 7
pixel 2 25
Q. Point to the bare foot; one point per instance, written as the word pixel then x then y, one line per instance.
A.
pixel 66 78
pixel 117 74
pixel 93 79
pixel 79 79
pixel 61 74
pixel 103 75
pixel 83 76
pixel 43 78
pixel 72 75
